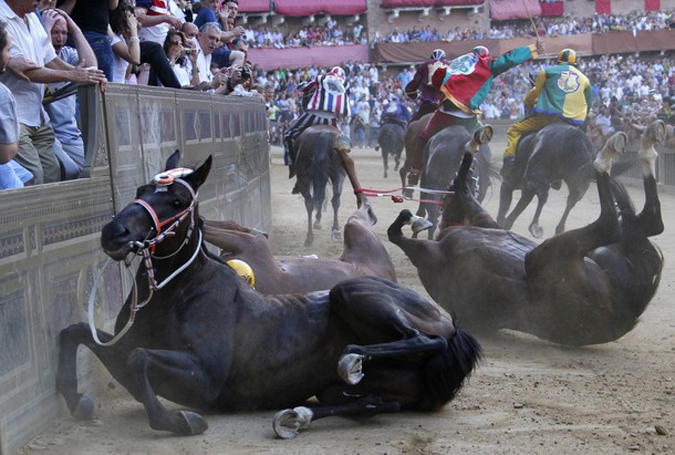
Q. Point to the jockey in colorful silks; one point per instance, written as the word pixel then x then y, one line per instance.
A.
pixel 561 93
pixel 396 112
pixel 327 105
pixel 429 95
pixel 465 83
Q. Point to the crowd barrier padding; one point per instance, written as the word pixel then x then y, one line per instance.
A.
pixel 49 241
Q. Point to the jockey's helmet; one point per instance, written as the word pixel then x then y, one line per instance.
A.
pixel 567 56
pixel 338 72
pixel 482 51
pixel 243 270
pixel 438 54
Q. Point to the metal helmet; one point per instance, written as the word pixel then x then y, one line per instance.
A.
pixel 438 54
pixel 482 51
pixel 567 56
pixel 243 270
pixel 338 72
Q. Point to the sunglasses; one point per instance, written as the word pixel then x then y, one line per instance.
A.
pixel 176 43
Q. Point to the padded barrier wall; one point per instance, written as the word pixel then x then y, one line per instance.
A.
pixel 49 234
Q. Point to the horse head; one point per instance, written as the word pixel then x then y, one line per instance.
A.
pixel 163 215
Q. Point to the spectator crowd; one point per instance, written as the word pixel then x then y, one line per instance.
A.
pixel 50 47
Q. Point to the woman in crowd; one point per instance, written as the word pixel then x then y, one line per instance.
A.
pixel 182 58
pixel 123 33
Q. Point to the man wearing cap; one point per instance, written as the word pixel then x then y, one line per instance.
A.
pixel 429 95
pixel 561 93
pixel 465 83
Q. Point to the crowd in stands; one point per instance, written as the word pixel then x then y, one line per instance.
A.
pixel 328 35
pixel 51 50
pixel 546 26
pixel 48 52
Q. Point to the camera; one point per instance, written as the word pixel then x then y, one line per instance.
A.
pixel 189 51
pixel 245 74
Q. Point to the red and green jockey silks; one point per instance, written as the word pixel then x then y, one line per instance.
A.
pixel 563 91
pixel 467 80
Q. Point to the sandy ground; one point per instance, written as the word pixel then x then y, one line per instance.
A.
pixel 528 396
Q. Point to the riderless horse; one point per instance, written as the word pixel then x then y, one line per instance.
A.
pixel 585 286
pixel 363 255
pixel 202 338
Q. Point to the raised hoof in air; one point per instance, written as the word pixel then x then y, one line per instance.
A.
pixel 350 368
pixel 419 224
pixel 84 409
pixel 191 423
pixel 288 422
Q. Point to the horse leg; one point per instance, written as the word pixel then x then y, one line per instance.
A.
pixel 577 189
pixel 335 202
pixel 417 250
pixel 526 196
pixel 505 198
pixel 385 159
pixel 309 205
pixel 535 229
pixel 649 222
pixel 288 422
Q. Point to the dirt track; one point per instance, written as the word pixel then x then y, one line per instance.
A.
pixel 528 396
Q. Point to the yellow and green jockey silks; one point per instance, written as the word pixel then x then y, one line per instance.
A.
pixel 563 91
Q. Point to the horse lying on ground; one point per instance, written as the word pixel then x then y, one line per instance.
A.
pixel 363 255
pixel 585 286
pixel 323 155
pixel 558 152
pixel 442 157
pixel 391 141
pixel 204 339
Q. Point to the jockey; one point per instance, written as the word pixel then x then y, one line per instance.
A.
pixel 562 93
pixel 328 104
pixel 465 83
pixel 396 112
pixel 429 95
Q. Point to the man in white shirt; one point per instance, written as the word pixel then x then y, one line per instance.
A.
pixel 209 40
pixel 33 62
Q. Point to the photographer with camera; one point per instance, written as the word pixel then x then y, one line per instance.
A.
pixel 183 59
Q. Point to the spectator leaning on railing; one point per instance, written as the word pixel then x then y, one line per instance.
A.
pixel 123 34
pixel 33 63
pixel 68 144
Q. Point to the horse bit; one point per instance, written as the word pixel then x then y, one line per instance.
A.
pixel 147 247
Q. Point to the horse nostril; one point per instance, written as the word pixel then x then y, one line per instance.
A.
pixel 115 232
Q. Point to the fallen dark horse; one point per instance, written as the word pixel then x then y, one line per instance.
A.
pixel 204 339
pixel 363 255
pixel 585 286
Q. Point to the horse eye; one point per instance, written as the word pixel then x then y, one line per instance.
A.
pixel 177 203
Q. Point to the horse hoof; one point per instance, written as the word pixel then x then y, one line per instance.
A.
pixel 288 422
pixel 84 409
pixel 484 134
pixel 191 423
pixel 419 224
pixel 536 231
pixel 350 368
pixel 336 235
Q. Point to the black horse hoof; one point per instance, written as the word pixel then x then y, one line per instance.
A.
pixel 190 424
pixel 84 409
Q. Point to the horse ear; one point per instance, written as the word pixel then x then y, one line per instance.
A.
pixel 172 162
pixel 198 177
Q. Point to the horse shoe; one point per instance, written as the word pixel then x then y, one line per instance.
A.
pixel 350 368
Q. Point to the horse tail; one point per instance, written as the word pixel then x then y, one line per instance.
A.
pixel 445 372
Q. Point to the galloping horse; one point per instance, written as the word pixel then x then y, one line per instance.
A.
pixel 585 286
pixel 443 156
pixel 391 141
pixel 558 152
pixel 204 339
pixel 321 157
pixel 363 255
